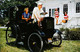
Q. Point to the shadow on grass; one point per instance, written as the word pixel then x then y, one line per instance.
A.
pixel 49 46
pixel 25 47
pixel 22 47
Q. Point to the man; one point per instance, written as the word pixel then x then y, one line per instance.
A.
pixel 38 13
pixel 26 16
pixel 56 15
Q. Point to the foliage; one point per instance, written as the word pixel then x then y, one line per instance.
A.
pixel 6 4
pixel 67 31
pixel 75 29
pixel 72 34
pixel 62 29
pixel 3 21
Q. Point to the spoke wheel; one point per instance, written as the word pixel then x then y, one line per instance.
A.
pixel 35 42
pixel 10 39
pixel 57 40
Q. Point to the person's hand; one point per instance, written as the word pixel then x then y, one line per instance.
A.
pixel 26 19
pixel 30 22
pixel 33 21
pixel 29 18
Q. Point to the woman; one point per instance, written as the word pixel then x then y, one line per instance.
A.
pixel 56 15
pixel 65 18
pixel 26 16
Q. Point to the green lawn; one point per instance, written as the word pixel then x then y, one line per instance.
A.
pixel 66 46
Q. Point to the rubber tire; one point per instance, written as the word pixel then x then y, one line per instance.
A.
pixel 60 41
pixel 7 38
pixel 40 40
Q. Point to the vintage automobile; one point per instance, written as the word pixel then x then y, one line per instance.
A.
pixel 29 32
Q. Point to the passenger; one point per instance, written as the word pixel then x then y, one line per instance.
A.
pixel 26 16
pixel 37 13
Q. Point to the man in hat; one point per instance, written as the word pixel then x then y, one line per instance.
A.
pixel 38 13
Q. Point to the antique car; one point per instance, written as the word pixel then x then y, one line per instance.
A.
pixel 29 32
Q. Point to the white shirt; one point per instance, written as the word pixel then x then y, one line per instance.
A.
pixel 36 13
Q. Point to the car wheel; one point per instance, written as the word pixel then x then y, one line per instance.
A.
pixel 35 42
pixel 10 38
pixel 57 39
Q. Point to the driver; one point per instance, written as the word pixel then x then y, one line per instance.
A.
pixel 26 16
pixel 37 11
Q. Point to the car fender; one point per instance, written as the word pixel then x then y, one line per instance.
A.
pixel 58 31
pixel 41 33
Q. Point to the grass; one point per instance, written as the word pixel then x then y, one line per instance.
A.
pixel 66 46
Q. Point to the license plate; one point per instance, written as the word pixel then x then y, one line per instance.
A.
pixel 49 40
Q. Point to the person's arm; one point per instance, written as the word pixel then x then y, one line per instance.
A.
pixel 33 14
pixel 24 18
pixel 36 14
pixel 67 17
pixel 29 16
pixel 43 13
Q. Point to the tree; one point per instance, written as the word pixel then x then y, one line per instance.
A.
pixel 5 5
